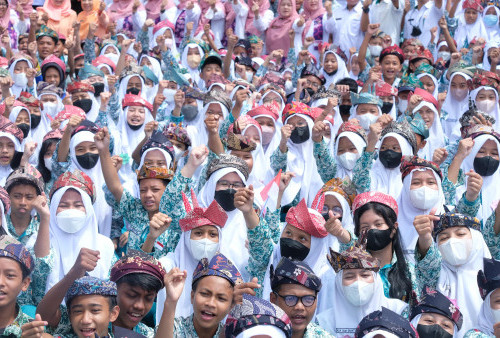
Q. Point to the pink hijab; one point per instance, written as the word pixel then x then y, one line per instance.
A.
pixel 263 7
pixel 277 33
pixel 204 6
pixel 121 9
pixel 153 8
pixel 27 7
pixel 4 20
pixel 309 13
pixel 56 13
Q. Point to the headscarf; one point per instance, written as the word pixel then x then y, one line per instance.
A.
pixel 454 109
pixel 495 113
pixel 436 137
pixel 277 33
pixel 120 9
pixel 249 25
pixel 271 111
pixel 57 13
pixel 341 72
pixel 311 14
pixel 465 33
pixel 198 132
pixel 194 72
pixel 357 141
pixel 15 89
pixel 86 18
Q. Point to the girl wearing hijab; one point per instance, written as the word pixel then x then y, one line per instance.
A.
pixel 47 149
pixel 11 148
pixel 490 20
pixel 201 238
pixel 127 15
pixel 20 116
pixel 449 255
pixel 334 68
pixel 92 13
pixel 455 104
pixel 277 36
pixel 18 72
pixel 82 96
pixel 267 116
pixel 61 16
pixel 295 153
pixel 428 108
pixel 54 71
pixel 319 24
pixel 383 174
pixel 73 226
pixel 485 95
pixel 429 76
pixel 349 144
pixel 50 97
pixel 470 25
pixel 259 17
pixel 479 153
pixel 357 291
pixel 191 58
pixel 489 287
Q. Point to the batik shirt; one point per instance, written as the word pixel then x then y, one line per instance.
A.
pixel 475 333
pixel 184 327
pixel 31 231
pixel 327 166
pixel 492 240
pixel 39 276
pixel 428 267
pixel 14 329
pixel 313 330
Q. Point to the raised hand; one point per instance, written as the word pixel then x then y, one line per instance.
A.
pixel 245 288
pixel 34 329
pixel 174 284
pixel 439 156
pixel 474 185
pixel 334 227
pixel 243 199
pixel 158 224
pixel 85 262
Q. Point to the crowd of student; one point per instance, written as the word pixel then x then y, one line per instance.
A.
pixel 270 168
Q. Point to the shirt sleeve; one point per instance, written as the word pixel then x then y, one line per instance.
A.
pixel 278 161
pixel 467 207
pixel 492 240
pixel 260 247
pixel 428 268
pixel 327 167
pixel 361 172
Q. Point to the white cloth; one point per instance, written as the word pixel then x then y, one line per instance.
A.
pixel 486 319
pixel 454 110
pixel 262 331
pixel 437 138
pixel 348 27
pixel 455 282
pixel 465 33
pixel 425 18
pixel 275 141
pixel 360 145
pixel 122 88
pixel 389 17
pixel 435 93
pixel 489 191
pixel 387 180
pixel 194 72
pixel 490 43
pixel 496 111
pixel 198 133
pixel 328 25
pixel 15 89
pixel 67 246
pixel 341 72
pixel 493 32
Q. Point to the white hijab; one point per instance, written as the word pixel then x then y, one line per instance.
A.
pixel 275 141
pixel 197 132
pixel 486 319
pixel 489 191
pixel 493 32
pixel 5 170
pixel 67 246
pixel 435 93
pixel 437 138
pixel 300 160
pixel 122 88
pixel 261 173
pixel 467 33
pixel 407 232
pixel 386 180
pixel 339 74
pixel 455 109
pixel 282 105
pixel 15 89
pixel 495 112
pixel 460 282
pixel 194 72
pixel 360 145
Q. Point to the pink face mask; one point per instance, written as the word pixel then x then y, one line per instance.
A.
pixel 267 134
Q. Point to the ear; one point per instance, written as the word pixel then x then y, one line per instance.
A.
pixel 114 313
pixel 192 296
pixel 25 283
pixel 422 144
pixel 272 297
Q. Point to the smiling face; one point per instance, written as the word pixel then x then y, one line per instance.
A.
pixel 330 63
pixel 90 315
pixel 428 83
pixel 7 149
pixel 391 66
pixel 136 115
pixel 11 282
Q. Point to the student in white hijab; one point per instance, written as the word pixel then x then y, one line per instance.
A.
pixel 267 116
pixel 470 24
pixel 73 226
pixel 455 104
pixel 485 99
pixel 334 68
pixel 18 72
pixel 191 58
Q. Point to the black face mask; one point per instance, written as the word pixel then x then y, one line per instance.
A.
pixel 485 166
pixel 345 109
pixel 386 107
pixel 25 128
pixel 300 134
pixel 390 158
pixel 331 73
pixel 133 90
pixel 432 331
pixel 378 239
pixel 35 120
pixel 225 198
pixel 135 127
pixel 98 88
pixel 189 112
pixel 85 104
pixel 292 249
pixel 310 91
pixel 87 160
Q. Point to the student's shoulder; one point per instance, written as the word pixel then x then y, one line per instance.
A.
pixel 314 330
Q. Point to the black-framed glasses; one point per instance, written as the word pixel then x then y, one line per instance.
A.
pixel 227 185
pixel 292 300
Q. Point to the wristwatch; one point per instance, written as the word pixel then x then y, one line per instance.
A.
pixel 366 10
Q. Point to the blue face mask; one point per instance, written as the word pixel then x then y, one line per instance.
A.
pixel 490 20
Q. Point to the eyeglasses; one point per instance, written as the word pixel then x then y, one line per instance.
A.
pixel 336 210
pixel 292 300
pixel 227 185
pixel 313 84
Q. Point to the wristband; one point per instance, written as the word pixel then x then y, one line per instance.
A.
pixel 366 10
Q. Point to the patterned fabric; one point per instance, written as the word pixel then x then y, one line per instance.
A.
pixel 356 257
pixel 462 67
pixel 483 78
pixel 103 60
pixel 274 79
pixel 210 58
pixel 219 265
pixel 296 107
pixel 392 50
pixel 216 78
pixel 86 125
pixel 77 87
pixel 172 74
pixel 218 96
pixel 426 96
pixel 89 285
pixel 409 82
pixel 77 179
pixel 387 320
pixel 487 279
pixel 29 100
pixel 433 301
pixel 8 127
pixel 154 172
pixel 467 119
pixel 158 140
pixel 373 196
pixel 150 75
pixel 198 216
pixel 4 197
pixel 136 100
pixel 30 231
pixel 426 68
pixel 365 98
pixel 177 132
pixel 46 31
pixel 451 219
pixel 311 70
pixel 48 88
pixel 384 89
pixel 14 328
pixel 88 71
pixel 472 4
pixel 324 93
pixel 307 219
pixel 480 129
pixel 163 24
pixel 270 109
pixel 422 53
pixel 313 330
pixel 137 262
pixel 410 163
pixel 417 124
pixel 69 111
pixel 28 173
pixel 226 160
pixel 239 142
pixel 352 126
pixel 256 311
pixel 184 326
pixel 402 128
pixel 294 272
pixel 245 119
pixel 11 248
pixel 344 187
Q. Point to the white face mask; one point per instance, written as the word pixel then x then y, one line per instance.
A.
pixel 203 248
pixel 178 153
pixel 375 50
pixel 169 94
pixel 496 315
pixel 456 251
pixel 444 55
pixel 348 160
pixel 402 106
pixel 406 63
pixel 249 76
pixel 20 79
pixel 366 120
pixel 48 163
pixel 267 134
pixel 113 57
pixel 289 86
pixel 169 43
pixel 358 293
pixel 424 198
pixel 50 108
pixel 459 94
pixel 71 220
pixel 486 106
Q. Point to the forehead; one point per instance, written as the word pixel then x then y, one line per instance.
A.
pixel 391 141
pixel 214 107
pixel 296 119
pixel 23 188
pixel 422 174
pixel 154 154
pixel 295 289
pixel 453 230
pixel 215 284
pixel 489 144
pixel 7 263
pixel 295 230
pixel 370 216
pixel 150 183
pixel 71 195
pixel 232 177
pixel 89 300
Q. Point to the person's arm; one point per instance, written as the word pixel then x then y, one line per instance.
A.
pixel 211 42
pixel 33 27
pixel 158 224
pixel 370 31
pixel 464 149
pixel 49 306
pixel 231 42
pixel 424 224
pixel 149 128
pixel 63 151
pixel 111 177
pixel 453 9
pixel 447 36
pixel 42 243
pixel 243 201
pixel 491 231
pixel 214 141
pixel 76 37
pixel 120 65
pixel 365 17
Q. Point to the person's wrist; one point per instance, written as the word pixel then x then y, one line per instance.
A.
pixel 151 236
pixel 366 9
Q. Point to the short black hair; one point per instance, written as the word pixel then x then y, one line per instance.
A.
pixel 113 301
pixel 142 280
pixel 353 85
pixel 194 286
